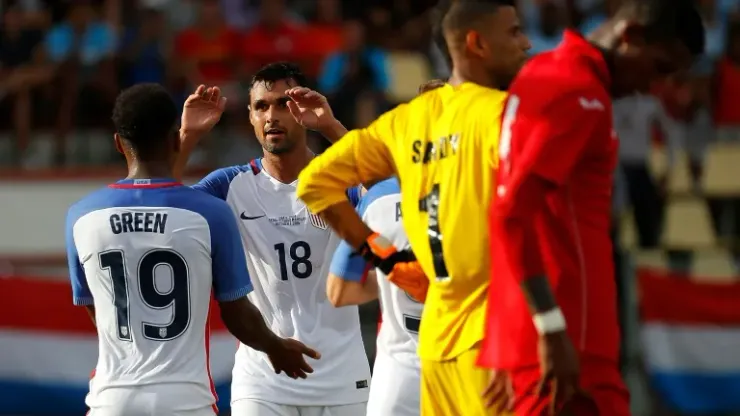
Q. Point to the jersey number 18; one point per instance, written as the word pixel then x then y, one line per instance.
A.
pixel 300 264
pixel 178 297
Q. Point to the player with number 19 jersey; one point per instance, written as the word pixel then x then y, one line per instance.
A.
pixel 395 388
pixel 288 253
pixel 148 253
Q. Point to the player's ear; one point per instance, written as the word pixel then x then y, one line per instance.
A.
pixel 117 141
pixel 474 43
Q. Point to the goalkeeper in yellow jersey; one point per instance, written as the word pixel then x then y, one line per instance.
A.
pixel 443 147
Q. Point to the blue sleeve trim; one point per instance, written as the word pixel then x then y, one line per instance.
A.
pixel 228 262
pixel 85 301
pixel 80 288
pixel 347 265
pixel 217 183
pixel 379 190
pixel 354 195
pixel 236 294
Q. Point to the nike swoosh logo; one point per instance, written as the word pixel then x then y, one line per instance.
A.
pixel 244 216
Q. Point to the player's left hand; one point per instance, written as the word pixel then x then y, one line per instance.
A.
pixel 499 393
pixel 288 356
pixel 410 277
pixel 310 109
pixel 559 369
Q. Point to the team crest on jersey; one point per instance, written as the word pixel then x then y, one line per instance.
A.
pixel 317 221
pixel 124 331
pixel 162 332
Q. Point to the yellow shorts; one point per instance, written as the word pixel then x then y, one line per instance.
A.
pixel 454 387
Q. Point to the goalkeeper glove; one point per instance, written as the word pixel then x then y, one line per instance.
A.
pixel 401 266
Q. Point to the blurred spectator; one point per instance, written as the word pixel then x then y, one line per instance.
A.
pixel 208 52
pixel 83 48
pixel 275 38
pixel 325 32
pixel 357 70
pixel 549 32
pixel 634 120
pixel 596 15
pixel 727 89
pixel 21 70
pixel 144 50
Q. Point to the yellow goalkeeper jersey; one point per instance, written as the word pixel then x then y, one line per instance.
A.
pixel 443 147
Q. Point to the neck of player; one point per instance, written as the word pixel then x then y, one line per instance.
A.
pixel 149 170
pixel 462 73
pixel 285 167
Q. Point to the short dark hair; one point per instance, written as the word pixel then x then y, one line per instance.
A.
pixel 437 17
pixel 278 71
pixel 666 20
pixel 465 14
pixel 145 115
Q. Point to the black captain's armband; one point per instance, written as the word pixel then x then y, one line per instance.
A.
pixel 539 294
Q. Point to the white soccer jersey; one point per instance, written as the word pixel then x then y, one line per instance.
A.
pixel 148 254
pixel 288 254
pixel 395 388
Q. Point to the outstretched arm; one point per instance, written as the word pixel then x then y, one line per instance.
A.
pixel 362 156
pixel 201 112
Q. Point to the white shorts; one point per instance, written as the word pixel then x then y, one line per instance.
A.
pixel 141 401
pixel 126 410
pixel 395 389
pixel 252 407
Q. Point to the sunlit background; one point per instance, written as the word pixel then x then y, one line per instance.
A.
pixel 677 195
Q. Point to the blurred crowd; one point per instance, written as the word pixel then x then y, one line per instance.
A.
pixel 62 63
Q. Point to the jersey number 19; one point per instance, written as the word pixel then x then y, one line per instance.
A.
pixel 178 297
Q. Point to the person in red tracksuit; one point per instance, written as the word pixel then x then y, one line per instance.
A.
pixel 552 333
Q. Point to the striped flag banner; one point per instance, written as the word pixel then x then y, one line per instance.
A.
pixel 691 341
pixel 48 349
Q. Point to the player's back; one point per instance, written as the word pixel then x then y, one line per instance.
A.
pixel 145 249
pixel 399 334
pixel 444 159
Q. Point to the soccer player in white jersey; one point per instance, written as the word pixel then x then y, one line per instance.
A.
pixel 145 254
pixel 288 252
pixel 396 375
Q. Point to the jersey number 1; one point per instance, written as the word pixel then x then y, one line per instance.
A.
pixel 178 297
pixel 430 205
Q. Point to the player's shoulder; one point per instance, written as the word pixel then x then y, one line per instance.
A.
pixel 466 91
pixel 561 74
pixel 99 199
pixel 218 183
pixel 378 191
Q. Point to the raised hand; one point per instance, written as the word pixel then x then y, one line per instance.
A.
pixel 310 109
pixel 202 110
pixel 288 357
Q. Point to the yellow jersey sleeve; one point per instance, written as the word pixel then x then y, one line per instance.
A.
pixel 361 156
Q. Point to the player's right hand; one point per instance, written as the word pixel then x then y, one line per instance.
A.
pixel 202 110
pixel 400 266
pixel 288 357
pixel 559 369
